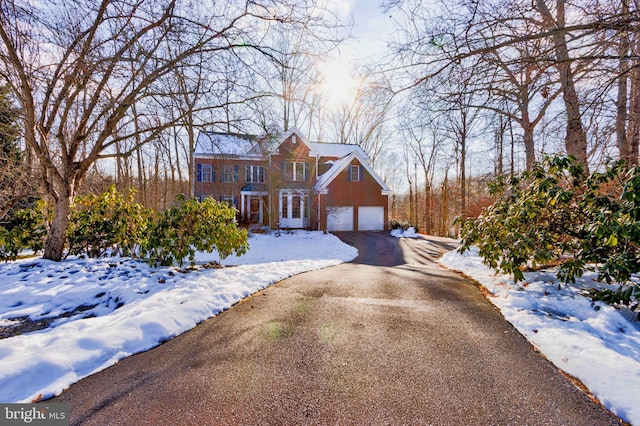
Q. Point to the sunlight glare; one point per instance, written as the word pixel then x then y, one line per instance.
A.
pixel 338 85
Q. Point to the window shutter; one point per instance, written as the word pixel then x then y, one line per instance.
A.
pixel 213 173
pixel 361 173
pixel 235 173
pixel 199 178
pixel 349 173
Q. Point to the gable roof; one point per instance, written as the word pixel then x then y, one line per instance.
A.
pixel 322 185
pixel 323 149
pixel 335 150
pixel 210 144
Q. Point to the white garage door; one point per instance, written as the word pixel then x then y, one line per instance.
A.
pixel 371 218
pixel 340 218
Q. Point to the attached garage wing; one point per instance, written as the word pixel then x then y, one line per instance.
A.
pixel 339 218
pixel 371 218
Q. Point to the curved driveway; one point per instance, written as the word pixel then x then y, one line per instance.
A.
pixel 390 338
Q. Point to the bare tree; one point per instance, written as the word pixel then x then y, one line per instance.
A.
pixel 459 121
pixel 628 89
pixel 16 179
pixel 422 138
pixel 78 72
pixel 365 119
pixel 572 37
pixel 575 136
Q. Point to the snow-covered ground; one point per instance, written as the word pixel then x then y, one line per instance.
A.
pixel 591 341
pixel 108 309
pixel 408 233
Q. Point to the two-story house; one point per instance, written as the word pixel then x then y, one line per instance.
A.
pixel 289 182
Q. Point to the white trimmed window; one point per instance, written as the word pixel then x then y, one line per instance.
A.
pixel 229 174
pixel 355 173
pixel 205 173
pixel 254 174
pixel 295 171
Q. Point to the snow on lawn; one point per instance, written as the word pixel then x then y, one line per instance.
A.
pixel 591 341
pixel 408 233
pixel 108 309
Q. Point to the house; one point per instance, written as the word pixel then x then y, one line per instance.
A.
pixel 286 181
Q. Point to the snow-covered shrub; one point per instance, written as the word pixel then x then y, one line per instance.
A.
pixel 192 226
pixel 402 224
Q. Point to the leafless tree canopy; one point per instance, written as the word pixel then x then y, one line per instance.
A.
pixel 89 75
pixel 544 76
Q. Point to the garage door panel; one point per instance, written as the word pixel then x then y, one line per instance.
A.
pixel 340 218
pixel 371 218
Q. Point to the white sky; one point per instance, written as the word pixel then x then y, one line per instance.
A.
pixel 372 28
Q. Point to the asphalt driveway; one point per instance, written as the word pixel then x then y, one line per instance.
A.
pixel 390 338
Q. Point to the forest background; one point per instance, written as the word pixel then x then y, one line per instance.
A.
pixel 449 96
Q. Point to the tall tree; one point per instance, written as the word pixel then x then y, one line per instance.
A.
pixel 15 175
pixel 78 67
pixel 574 38
pixel 575 135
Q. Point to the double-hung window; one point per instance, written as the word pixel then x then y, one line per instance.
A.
pixel 229 174
pixel 254 174
pixel 295 171
pixel 205 173
pixel 229 199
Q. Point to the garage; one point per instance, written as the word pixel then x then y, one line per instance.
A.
pixel 371 218
pixel 339 218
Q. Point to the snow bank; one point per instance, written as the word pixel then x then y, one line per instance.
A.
pixel 129 307
pixel 409 233
pixel 591 341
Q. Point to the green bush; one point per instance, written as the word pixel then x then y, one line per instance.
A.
pixel 23 228
pixel 533 222
pixel 192 226
pixel 611 235
pixel 625 295
pixel 555 214
pixel 108 223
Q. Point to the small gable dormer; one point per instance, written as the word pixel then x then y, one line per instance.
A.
pixel 294 146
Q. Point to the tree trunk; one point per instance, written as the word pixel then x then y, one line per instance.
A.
pixel 499 165
pixel 56 238
pixel 575 136
pixel 428 229
pixel 463 176
pixel 633 136
pixel 444 214
pixel 512 156
pixel 622 95
pixel 529 146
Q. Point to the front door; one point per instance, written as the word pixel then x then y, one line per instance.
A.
pixel 255 209
pixel 292 209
